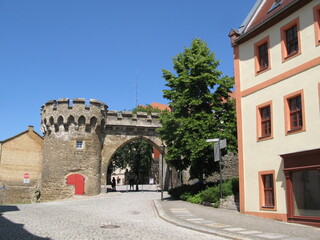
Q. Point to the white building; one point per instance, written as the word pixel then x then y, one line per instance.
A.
pixel 277 74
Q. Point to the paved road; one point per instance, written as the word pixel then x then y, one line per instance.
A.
pixel 107 216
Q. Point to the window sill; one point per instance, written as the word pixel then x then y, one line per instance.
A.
pixel 262 70
pixel 268 208
pixel 267 137
pixel 292 55
pixel 79 150
pixel 295 130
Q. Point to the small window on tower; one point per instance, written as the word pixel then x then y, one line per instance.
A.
pixel 79 144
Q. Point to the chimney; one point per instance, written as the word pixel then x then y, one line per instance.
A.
pixel 30 129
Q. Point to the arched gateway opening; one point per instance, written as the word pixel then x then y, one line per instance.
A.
pixel 135 165
pixel 147 173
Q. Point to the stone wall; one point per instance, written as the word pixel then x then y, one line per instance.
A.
pixel 229 170
pixel 19 194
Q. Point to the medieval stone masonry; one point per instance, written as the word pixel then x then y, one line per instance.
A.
pixel 80 138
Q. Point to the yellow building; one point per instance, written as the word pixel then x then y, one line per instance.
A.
pixel 277 74
pixel 20 166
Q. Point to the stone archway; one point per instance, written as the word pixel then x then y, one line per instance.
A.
pixel 113 142
pixel 81 136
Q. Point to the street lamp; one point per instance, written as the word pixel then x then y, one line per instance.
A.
pixel 163 147
pixel 217 152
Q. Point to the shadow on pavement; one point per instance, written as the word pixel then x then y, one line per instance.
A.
pixel 11 230
pixel 132 191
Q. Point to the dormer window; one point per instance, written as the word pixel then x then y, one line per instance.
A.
pixel 276 4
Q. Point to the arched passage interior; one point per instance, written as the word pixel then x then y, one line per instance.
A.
pixel 115 143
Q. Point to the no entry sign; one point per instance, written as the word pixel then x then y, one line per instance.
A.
pixel 26 178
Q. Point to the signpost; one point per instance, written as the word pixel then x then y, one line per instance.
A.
pixel 218 145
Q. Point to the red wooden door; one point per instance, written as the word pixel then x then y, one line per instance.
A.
pixel 78 181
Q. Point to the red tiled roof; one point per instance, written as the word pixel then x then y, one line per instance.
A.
pixel 263 13
pixel 232 95
pixel 160 106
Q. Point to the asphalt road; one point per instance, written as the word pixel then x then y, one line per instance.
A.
pixel 116 215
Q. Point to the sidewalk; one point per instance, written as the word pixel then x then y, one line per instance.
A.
pixel 230 223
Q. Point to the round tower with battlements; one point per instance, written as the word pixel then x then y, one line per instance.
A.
pixel 73 139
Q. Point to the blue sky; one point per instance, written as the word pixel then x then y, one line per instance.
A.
pixel 101 49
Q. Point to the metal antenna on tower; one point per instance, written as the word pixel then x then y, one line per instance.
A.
pixel 137 75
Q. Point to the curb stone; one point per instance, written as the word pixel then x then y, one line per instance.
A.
pixel 165 217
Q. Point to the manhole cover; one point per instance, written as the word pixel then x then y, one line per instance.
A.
pixel 109 226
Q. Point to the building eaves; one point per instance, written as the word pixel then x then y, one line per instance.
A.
pixel 249 17
pixel 273 19
pixel 15 136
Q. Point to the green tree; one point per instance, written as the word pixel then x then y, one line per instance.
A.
pixel 137 156
pixel 202 109
pixel 147 108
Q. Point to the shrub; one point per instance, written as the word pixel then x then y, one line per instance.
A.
pixel 182 191
pixel 211 194
pixel 227 188
pixel 235 186
pixel 185 196
pixel 195 194
pixel 195 199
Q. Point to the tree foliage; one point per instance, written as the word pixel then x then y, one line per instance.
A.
pixel 202 109
pixel 147 108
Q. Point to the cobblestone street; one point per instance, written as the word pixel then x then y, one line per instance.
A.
pixel 107 216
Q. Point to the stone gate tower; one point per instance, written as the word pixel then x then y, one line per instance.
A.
pixel 73 140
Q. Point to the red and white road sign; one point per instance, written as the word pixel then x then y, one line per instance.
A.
pixel 26 176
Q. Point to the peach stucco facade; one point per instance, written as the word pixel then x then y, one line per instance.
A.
pixel 285 78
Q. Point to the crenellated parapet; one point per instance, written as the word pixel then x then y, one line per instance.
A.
pixel 79 114
pixel 127 118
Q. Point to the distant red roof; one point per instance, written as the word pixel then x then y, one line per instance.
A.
pixel 160 106
pixel 232 95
